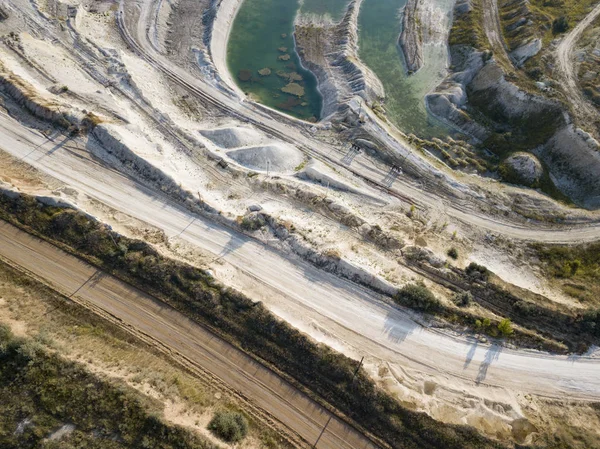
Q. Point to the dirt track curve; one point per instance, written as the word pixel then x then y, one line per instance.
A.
pixel 260 385
pixel 566 65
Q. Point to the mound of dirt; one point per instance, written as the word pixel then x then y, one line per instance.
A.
pixel 275 158
pixel 229 138
pixel 522 168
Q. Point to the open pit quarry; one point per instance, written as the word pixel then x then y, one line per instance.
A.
pixel 327 177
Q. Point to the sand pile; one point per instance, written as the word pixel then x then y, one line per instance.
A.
pixel 275 158
pixel 229 138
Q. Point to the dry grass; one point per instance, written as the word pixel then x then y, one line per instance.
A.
pixel 33 310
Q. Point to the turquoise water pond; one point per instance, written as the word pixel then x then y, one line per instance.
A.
pixel 262 38
pixel 263 61
pixel 380 25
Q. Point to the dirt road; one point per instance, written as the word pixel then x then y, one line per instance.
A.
pixel 566 65
pixel 306 296
pixel 163 324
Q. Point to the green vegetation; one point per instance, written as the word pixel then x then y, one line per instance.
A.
pixel 250 326
pixel 467 28
pixel 560 25
pixel 505 327
pixel 463 299
pixel 229 426
pixel 418 297
pixel 453 253
pixel 42 392
pixel 252 222
pixel 576 268
pixel 477 272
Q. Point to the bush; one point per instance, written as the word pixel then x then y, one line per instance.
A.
pixel 463 299
pixel 229 426
pixel 560 25
pixel 453 253
pixel 478 272
pixel 591 322
pixel 418 297
pixel 505 327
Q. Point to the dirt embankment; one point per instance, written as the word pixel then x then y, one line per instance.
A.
pixel 479 99
pixel 411 39
pixel 330 51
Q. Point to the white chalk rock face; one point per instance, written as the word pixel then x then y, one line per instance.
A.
pixel 526 51
pixel 524 168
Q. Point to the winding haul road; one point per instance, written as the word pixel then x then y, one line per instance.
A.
pixel 566 65
pixel 295 288
pixel 298 289
pixel 290 130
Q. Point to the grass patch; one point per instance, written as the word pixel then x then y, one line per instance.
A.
pixel 467 29
pixel 41 393
pixel 576 268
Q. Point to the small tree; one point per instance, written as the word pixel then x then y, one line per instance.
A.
pixel 505 327
pixel 229 426
pixel 560 25
pixel 417 296
pixel 477 272
pixel 463 299
pixel 453 253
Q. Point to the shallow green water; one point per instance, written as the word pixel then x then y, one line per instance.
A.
pixel 330 8
pixel 379 27
pixel 254 44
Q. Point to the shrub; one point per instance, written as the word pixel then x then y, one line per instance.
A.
pixel 463 299
pixel 229 426
pixel 417 296
pixel 477 272
pixel 560 25
pixel 591 321
pixel 252 223
pixel 453 253
pixel 505 327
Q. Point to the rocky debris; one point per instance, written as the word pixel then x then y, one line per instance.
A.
pixel 526 51
pixel 293 89
pixel 254 208
pixel 411 38
pixel 422 254
pixel 366 144
pixel 264 72
pixel 463 7
pixel 522 168
pixel 274 157
pixel 233 137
